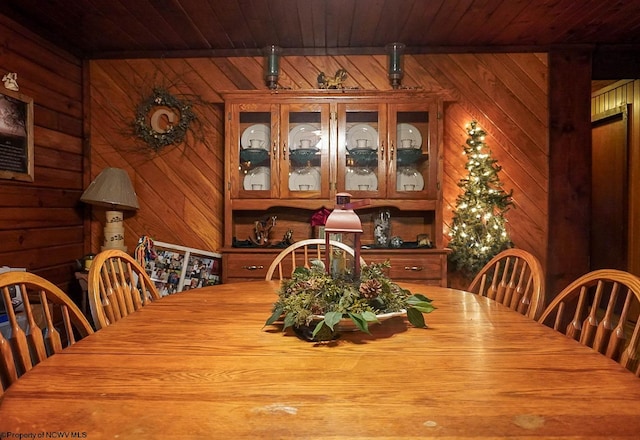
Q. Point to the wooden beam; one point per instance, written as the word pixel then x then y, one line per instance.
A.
pixel 569 167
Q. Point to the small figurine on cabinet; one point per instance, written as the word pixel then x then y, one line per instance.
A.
pixel 287 240
pixel 262 229
pixel 424 241
pixel 335 82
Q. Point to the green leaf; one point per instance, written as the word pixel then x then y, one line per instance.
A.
pixel 277 312
pixel 421 297
pixel 318 328
pixel 301 270
pixel 360 322
pixel 377 303
pixel 369 316
pixel 420 303
pixel 424 307
pixel 332 318
pixel 289 320
pixel 415 318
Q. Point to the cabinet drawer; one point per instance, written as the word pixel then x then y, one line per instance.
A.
pixel 414 266
pixel 246 266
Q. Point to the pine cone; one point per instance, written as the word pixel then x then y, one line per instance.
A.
pixel 370 289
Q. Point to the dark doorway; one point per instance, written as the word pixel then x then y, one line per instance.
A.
pixel 609 190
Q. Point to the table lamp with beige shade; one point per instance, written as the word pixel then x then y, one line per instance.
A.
pixel 113 190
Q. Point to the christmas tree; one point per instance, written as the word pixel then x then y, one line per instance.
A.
pixel 478 231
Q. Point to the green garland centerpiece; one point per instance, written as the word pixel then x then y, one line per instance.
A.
pixel 312 297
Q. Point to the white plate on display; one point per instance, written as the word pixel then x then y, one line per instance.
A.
pixel 258 179
pixel 305 179
pixel 408 136
pixel 359 133
pixel 305 134
pixel 256 136
pixel 360 179
pixel 409 179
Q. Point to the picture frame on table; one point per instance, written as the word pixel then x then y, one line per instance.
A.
pixel 176 268
pixel 16 136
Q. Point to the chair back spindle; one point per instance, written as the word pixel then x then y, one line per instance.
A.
pixel 35 338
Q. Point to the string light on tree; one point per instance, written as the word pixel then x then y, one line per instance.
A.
pixel 478 229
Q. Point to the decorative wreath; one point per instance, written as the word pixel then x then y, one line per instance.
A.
pixel 162 119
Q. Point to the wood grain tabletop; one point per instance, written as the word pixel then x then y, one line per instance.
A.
pixel 201 365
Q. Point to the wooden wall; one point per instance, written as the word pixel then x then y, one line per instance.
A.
pixel 41 223
pixel 181 188
pixel 627 93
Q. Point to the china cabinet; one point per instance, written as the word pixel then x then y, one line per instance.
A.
pixel 289 152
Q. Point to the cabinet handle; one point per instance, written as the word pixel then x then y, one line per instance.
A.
pixel 414 268
pixel 391 151
pixel 284 150
pixel 275 148
pixel 382 150
pixel 254 267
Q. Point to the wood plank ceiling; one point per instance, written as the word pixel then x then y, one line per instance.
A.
pixel 146 28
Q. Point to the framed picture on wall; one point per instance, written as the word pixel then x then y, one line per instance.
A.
pixel 16 136
pixel 176 268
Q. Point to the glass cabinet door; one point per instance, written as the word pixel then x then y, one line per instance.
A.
pixel 304 159
pixel 361 131
pixel 254 145
pixel 411 168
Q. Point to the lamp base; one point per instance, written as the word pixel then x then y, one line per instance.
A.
pixel 108 248
pixel 114 231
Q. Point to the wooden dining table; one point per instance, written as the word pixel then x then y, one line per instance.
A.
pixel 201 364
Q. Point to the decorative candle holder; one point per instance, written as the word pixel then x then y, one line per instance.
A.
pixel 272 66
pixel 396 64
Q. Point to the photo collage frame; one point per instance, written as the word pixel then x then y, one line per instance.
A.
pixel 177 268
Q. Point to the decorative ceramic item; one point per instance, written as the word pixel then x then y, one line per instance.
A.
pixel 305 332
pixel 11 81
pixel 396 242
pixel 262 229
pixel 334 82
pixel 382 228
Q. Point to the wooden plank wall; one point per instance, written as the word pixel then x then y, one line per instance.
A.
pixel 41 223
pixel 620 93
pixel 181 188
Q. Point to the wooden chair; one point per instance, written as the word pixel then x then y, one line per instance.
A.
pixel 118 286
pixel 514 278
pixel 597 310
pixel 301 253
pixel 46 322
